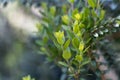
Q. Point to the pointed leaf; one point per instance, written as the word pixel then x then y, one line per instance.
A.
pixel 66 44
pixel 92 3
pixel 66 54
pixel 63 63
pixel 75 42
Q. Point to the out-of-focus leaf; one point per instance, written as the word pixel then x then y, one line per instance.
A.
pixel 53 10
pixel 71 1
pixel 81 46
pixel 118 21
pixel 79 58
pixel 81 25
pixel 75 11
pixel 102 14
pixel 45 39
pixel 70 34
pixel 75 42
pixel 60 37
pixel 65 19
pixel 94 14
pixel 63 63
pixel 78 16
pixel 44 5
pixel 66 54
pixel 86 12
pixel 92 3
pixel 66 44
pixel 65 27
pixel 85 62
pixel 39 27
pixel 86 49
pixel 64 8
pixel 39 42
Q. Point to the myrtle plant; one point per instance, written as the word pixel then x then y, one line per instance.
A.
pixel 68 34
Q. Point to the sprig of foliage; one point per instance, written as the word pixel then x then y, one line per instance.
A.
pixel 67 35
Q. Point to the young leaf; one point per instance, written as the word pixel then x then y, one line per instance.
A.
pixel 75 42
pixel 85 62
pixel 78 16
pixel 44 6
pixel 75 11
pixel 94 13
pixel 60 37
pixel 53 10
pixel 79 34
pixel 71 1
pixel 92 3
pixel 81 46
pixel 39 27
pixel 76 27
pixel 39 42
pixel 102 14
pixel 86 49
pixel 66 44
pixel 86 12
pixel 79 58
pixel 65 19
pixel 81 25
pixel 118 21
pixel 66 54
pixel 63 63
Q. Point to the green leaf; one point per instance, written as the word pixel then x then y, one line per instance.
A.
pixel 63 63
pixel 94 14
pixel 65 19
pixel 56 44
pixel 66 54
pixel 53 10
pixel 118 21
pixel 79 58
pixel 86 49
pixel 88 40
pixel 85 62
pixel 76 29
pixel 75 42
pixel 81 46
pixel 79 34
pixel 77 16
pixel 39 27
pixel 66 44
pixel 86 12
pixel 39 42
pixel 81 25
pixel 64 8
pixel 43 49
pixel 60 37
pixel 102 14
pixel 75 11
pixel 66 27
pixel 70 34
pixel 92 3
pixel 44 6
pixel 45 39
pixel 71 1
